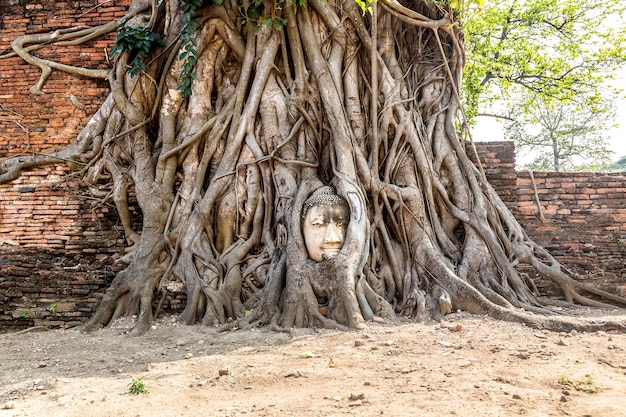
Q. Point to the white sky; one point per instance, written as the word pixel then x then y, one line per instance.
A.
pixel 489 129
pixel 618 135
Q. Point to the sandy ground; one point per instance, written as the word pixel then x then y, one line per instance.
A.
pixel 465 366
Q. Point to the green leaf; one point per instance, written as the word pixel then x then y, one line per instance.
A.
pixel 255 10
pixel 523 57
pixel 279 23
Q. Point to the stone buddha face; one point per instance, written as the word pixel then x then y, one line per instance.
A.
pixel 325 218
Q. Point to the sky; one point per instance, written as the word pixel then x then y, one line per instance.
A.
pixel 489 129
pixel 618 135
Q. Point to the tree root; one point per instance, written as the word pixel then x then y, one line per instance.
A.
pixel 28 330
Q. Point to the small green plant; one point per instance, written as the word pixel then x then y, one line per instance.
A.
pixel 565 382
pixel 137 386
pixel 621 241
pixel 255 14
pixel 52 308
pixel 587 385
pixel 25 314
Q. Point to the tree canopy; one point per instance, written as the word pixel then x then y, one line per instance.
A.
pixel 527 57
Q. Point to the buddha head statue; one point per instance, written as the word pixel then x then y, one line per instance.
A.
pixel 325 217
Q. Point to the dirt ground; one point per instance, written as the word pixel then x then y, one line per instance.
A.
pixel 465 366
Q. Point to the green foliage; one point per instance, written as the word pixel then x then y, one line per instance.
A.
pixel 273 22
pixel 255 10
pixel 522 55
pixel 137 40
pixel 365 5
pixel 137 386
pixel 52 308
pixel 458 6
pixel 527 61
pixel 25 314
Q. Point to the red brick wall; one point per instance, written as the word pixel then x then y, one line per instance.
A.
pixel 42 208
pixel 585 216
pixel 498 162
pixel 51 288
pixel 66 239
pixel 585 222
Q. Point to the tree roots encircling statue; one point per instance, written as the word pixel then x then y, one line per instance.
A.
pixel 283 103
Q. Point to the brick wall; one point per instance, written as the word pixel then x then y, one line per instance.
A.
pixel 498 162
pixel 67 239
pixel 584 224
pixel 52 288
pixel 44 208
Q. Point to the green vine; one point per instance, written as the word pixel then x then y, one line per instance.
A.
pixel 189 45
pixel 255 14
pixel 138 40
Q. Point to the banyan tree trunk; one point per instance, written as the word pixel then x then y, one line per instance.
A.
pixel 286 98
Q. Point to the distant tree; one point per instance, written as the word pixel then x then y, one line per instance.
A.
pixel 617 166
pixel 522 56
pixel 566 137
